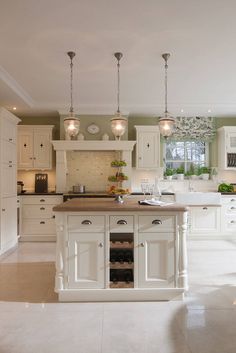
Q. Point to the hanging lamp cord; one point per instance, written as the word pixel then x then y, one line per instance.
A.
pixel 166 68
pixel 71 86
pixel 118 86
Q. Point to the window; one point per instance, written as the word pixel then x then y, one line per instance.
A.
pixel 187 153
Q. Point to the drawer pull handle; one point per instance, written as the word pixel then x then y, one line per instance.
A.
pixel 232 200
pixel 100 245
pixel 204 208
pixel 142 245
pixel 10 166
pixel 232 222
pixel 156 221
pixel 10 161
pixel 42 222
pixel 42 200
pixel 122 221
pixel 233 208
pixel 86 222
pixel 53 216
pixel 3 209
pixel 10 139
pixel 42 208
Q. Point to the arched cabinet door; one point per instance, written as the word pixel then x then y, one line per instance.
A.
pixel 147 147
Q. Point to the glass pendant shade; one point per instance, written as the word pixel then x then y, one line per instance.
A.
pixel 118 126
pixel 166 125
pixel 71 126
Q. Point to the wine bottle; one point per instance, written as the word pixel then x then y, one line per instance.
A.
pixel 113 256
pixel 128 276
pixel 113 276
pixel 128 257
pixel 120 257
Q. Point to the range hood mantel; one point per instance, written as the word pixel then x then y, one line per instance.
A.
pixel 64 145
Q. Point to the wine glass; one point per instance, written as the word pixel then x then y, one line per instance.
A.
pixel 145 189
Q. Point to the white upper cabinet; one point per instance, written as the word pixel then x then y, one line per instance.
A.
pixel 148 147
pixel 227 147
pixel 34 146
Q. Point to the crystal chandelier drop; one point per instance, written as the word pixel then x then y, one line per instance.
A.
pixel 118 123
pixel 167 122
pixel 71 123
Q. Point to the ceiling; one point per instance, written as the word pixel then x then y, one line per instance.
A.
pixel 199 35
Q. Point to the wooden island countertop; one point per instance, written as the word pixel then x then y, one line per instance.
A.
pixel 96 204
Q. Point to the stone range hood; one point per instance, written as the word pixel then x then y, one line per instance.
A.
pixel 62 146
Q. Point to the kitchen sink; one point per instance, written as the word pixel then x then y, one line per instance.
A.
pixel 198 198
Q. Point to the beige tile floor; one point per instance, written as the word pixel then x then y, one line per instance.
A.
pixel 32 321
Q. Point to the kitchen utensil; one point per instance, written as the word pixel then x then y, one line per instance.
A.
pixel 41 183
pixel 20 186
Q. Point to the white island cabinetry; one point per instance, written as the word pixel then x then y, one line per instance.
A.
pixel 154 240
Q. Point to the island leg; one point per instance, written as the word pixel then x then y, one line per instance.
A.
pixel 59 279
pixel 183 261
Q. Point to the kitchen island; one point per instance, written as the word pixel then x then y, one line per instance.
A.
pixel 107 251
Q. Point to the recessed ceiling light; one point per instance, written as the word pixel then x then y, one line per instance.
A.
pixel 209 111
pixel 14 108
pixel 181 110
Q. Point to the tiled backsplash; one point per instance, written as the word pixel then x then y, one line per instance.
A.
pixel 90 168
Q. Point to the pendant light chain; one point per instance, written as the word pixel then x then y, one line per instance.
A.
pixel 71 55
pixel 166 87
pixel 118 87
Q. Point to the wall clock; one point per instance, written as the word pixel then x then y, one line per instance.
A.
pixel 93 129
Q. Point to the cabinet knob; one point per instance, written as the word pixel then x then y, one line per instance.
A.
pixel 100 245
pixel 156 221
pixel 86 222
pixel 122 221
pixel 34 158
pixel 142 245
pixel 53 216
pixel 204 208
pixel 3 209
pixel 139 158
pixel 31 158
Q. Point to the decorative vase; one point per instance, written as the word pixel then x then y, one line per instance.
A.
pixel 205 176
pixel 169 177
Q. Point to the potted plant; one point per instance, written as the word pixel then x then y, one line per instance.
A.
pixel 192 172
pixel 169 172
pixel 204 172
pixel 180 172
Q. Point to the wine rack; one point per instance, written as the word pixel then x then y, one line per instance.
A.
pixel 121 260
pixel 231 159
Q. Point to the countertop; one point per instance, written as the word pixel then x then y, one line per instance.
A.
pixel 39 193
pixel 80 205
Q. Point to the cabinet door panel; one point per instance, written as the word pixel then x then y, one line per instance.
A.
pixel 8 131
pixel 156 260
pixel 205 220
pixel 148 150
pixel 8 152
pixel 25 149
pixel 86 260
pixel 8 222
pixel 42 150
pixel 8 182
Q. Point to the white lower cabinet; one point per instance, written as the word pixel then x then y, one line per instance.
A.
pixel 145 261
pixel 204 221
pixel 228 215
pixel 86 260
pixel 37 217
pixel 156 265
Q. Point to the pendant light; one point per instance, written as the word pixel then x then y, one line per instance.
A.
pixel 118 123
pixel 166 123
pixel 71 123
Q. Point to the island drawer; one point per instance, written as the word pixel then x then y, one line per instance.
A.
pixel 121 224
pixel 86 223
pixel 163 223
